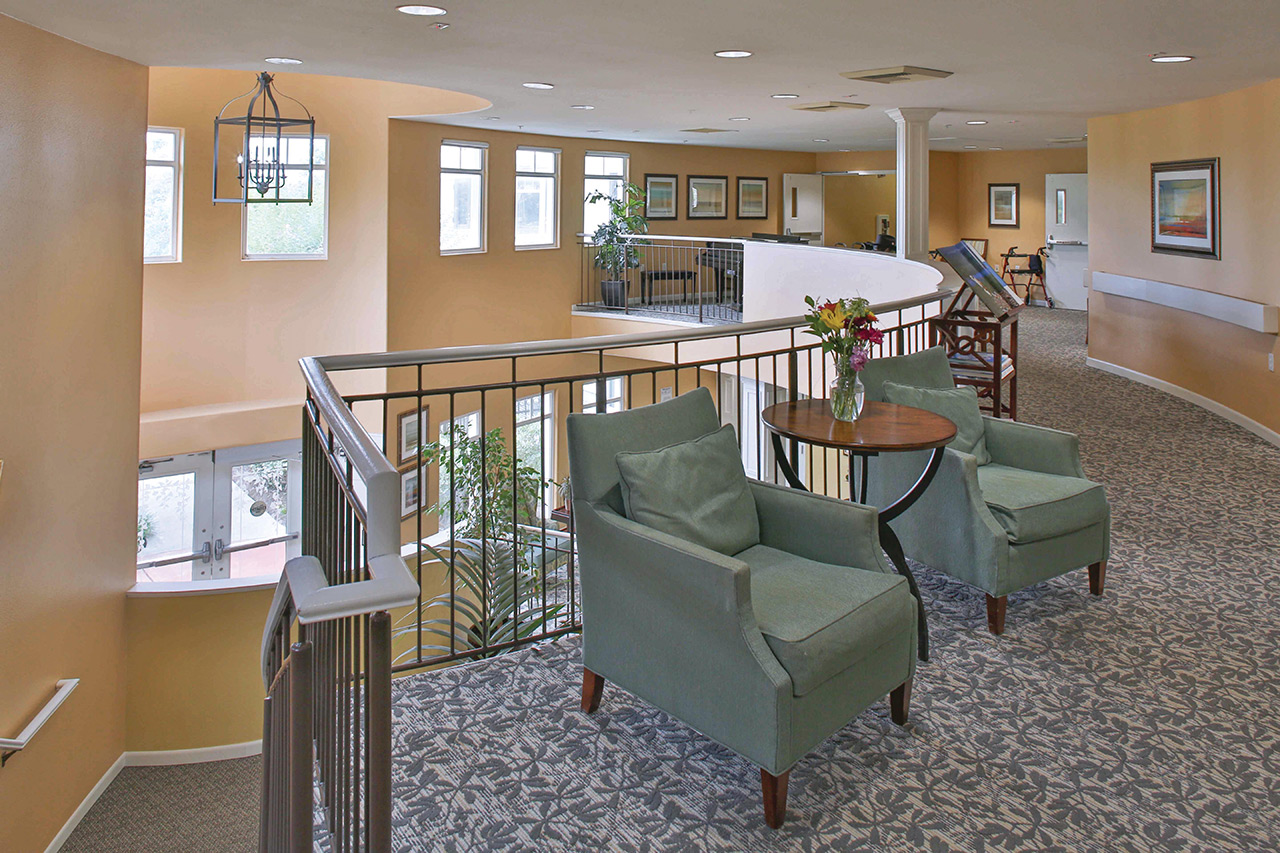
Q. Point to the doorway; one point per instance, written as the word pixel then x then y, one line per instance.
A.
pixel 1066 238
pixel 858 208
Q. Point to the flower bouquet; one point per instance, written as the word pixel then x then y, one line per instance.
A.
pixel 847 329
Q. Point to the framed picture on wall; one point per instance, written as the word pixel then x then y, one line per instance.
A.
pixel 1002 205
pixel 412 481
pixel 661 196
pixel 753 198
pixel 708 197
pixel 1185 207
pixel 409 435
pixel 882 225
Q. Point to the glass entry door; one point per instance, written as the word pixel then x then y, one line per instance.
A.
pixel 233 513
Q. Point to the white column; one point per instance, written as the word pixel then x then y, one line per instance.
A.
pixel 913 180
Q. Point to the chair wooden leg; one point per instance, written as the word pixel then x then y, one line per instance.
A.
pixel 775 797
pixel 1097 577
pixel 995 613
pixel 592 690
pixel 900 702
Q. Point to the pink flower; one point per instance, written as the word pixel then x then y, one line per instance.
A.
pixel 858 359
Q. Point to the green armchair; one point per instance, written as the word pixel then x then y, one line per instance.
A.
pixel 1027 515
pixel 767 651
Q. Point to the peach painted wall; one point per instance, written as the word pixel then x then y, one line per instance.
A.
pixel 977 169
pixel 942 185
pixel 1223 362
pixel 851 203
pixel 508 295
pixel 222 336
pixel 72 123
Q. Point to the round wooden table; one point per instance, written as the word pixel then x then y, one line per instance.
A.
pixel 882 428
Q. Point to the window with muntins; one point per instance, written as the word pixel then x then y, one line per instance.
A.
pixel 537 198
pixel 295 230
pixel 162 223
pixel 606 173
pixel 462 197
pixel 613 397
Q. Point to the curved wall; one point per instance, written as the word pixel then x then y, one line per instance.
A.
pixel 1212 360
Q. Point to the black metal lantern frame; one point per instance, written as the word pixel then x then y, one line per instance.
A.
pixel 264 172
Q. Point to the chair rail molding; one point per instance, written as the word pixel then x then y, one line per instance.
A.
pixel 1256 316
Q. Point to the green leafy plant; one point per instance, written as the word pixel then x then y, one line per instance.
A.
pixel 614 241
pixel 146 529
pixel 495 598
pixel 489 490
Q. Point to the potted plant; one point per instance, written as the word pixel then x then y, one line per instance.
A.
pixel 615 244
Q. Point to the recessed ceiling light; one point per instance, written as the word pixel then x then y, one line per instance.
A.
pixel 733 54
pixel 1164 57
pixel 493 118
pixel 971 146
pixel 784 95
pixel 536 85
pixel 822 140
pixel 417 9
pixel 995 148
pixel 582 107
pixel 740 118
pixel 282 60
pixel 977 121
pixel 843 150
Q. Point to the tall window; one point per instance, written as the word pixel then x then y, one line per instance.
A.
pixel 162 228
pixel 293 231
pixel 461 427
pixel 606 173
pixel 612 396
pixel 537 198
pixel 462 202
pixel 536 436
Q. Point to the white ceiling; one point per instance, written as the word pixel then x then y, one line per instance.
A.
pixel 1034 69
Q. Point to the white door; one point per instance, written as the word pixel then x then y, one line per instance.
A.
pixel 1066 237
pixel 802 205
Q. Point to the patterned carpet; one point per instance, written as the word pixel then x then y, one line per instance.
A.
pixel 1144 720
pixel 192 808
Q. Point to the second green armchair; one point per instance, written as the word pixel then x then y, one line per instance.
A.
pixel 1015 511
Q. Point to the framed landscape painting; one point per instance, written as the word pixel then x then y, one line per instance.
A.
pixel 1002 205
pixel 411 484
pixel 753 198
pixel 661 200
pixel 409 433
pixel 1184 208
pixel 708 197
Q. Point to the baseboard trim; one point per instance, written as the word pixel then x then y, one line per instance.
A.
pixel 150 758
pixel 83 809
pixel 165 757
pixel 1261 431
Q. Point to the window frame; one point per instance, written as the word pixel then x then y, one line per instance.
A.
pixel 328 193
pixel 555 197
pixel 176 165
pixel 483 172
pixel 546 421
pixel 610 400
pixel 625 178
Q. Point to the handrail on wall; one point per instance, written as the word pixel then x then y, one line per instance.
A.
pixel 10 746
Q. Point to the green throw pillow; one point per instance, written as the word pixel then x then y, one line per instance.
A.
pixel 695 490
pixel 958 405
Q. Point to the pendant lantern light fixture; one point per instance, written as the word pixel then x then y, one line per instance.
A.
pixel 272 147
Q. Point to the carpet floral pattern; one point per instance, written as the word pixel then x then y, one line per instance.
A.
pixel 1142 720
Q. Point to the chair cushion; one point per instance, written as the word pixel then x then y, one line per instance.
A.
pixel 695 490
pixel 1031 506
pixel 820 619
pixel 958 405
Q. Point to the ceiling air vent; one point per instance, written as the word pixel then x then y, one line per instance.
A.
pixel 707 130
pixel 828 106
pixel 897 74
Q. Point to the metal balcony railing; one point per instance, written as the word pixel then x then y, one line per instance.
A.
pixel 436 526
pixel 679 278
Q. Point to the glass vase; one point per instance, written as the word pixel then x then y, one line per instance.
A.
pixel 847 395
